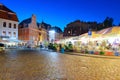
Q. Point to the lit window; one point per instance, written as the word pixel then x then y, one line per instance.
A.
pixel 4 24
pixel 9 25
pixel 68 31
pixel 14 26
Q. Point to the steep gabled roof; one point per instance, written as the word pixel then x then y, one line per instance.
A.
pixel 45 25
pixel 25 22
pixel 6 13
pixel 57 29
pixel 4 8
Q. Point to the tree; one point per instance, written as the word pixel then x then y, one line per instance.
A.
pixel 108 22
pixel 119 24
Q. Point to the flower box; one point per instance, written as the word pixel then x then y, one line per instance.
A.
pixel 91 52
pixel 82 51
pixel 116 53
pixel 102 53
pixel 109 53
pixel 96 52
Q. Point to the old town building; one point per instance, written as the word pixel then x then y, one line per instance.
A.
pixel 55 34
pixel 44 28
pixel 77 28
pixel 8 26
pixel 29 32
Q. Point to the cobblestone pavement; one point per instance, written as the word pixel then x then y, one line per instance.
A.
pixel 44 65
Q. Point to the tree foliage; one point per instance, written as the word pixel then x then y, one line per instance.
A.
pixel 108 22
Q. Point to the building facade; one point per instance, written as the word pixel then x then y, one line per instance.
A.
pixel 43 35
pixel 8 26
pixel 29 32
pixel 55 34
pixel 44 28
pixel 78 27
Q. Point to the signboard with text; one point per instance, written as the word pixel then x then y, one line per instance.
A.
pixel 89 32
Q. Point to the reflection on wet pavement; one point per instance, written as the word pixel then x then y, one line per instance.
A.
pixel 44 65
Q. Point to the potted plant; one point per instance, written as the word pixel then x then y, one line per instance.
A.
pixel 101 49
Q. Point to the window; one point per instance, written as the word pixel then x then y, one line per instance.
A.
pixel 9 16
pixel 4 33
pixel 14 34
pixel 2 45
pixel 4 24
pixel 14 26
pixel 9 25
pixel 68 31
pixel 9 33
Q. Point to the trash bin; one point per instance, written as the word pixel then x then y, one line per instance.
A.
pixel 62 50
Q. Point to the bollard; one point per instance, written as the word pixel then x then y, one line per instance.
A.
pixel 62 50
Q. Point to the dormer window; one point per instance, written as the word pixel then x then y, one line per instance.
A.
pixel 9 16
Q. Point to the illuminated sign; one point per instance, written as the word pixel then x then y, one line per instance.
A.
pixel 89 32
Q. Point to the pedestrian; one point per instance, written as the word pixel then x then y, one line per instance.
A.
pixel 60 46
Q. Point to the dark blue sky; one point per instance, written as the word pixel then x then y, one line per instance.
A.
pixel 61 12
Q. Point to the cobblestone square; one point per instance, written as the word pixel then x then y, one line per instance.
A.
pixel 46 65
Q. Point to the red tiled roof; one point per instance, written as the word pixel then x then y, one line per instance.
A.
pixel 6 13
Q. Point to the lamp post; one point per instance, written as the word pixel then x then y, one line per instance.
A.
pixel 89 34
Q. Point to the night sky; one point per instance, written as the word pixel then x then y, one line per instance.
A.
pixel 61 12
